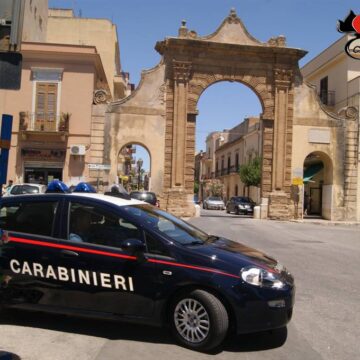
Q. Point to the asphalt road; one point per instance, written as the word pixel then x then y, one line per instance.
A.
pixel 324 260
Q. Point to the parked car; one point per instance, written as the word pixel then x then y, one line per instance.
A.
pixel 102 256
pixel 214 202
pixel 240 205
pixel 20 189
pixel 146 196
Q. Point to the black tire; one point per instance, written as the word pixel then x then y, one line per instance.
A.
pixel 215 312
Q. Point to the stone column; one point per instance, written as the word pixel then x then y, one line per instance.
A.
pixel 281 162
pixel 351 163
pixel 181 73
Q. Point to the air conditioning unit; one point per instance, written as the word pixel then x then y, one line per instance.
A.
pixel 77 150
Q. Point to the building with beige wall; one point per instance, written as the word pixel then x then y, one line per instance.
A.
pixel 63 27
pixel 59 111
pixel 226 151
pixel 53 111
pixel 336 79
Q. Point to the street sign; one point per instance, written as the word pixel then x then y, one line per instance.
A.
pixel 6 127
pixel 99 166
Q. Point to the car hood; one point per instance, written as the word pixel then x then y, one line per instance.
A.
pixel 230 255
pixel 215 202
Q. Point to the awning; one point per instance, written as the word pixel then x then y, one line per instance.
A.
pixel 311 171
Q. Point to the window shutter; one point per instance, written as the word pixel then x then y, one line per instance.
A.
pixel 46 105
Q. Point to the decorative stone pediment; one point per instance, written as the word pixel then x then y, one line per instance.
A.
pixel 231 31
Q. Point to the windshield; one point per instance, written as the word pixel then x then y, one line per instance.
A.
pixel 213 198
pixel 167 224
pixel 243 199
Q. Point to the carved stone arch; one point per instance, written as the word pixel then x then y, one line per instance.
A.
pixel 198 85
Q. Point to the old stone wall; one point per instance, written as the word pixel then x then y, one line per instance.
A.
pixel 139 119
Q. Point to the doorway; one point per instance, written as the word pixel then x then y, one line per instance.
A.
pixel 42 175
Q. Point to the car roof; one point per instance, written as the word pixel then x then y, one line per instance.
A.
pixel 31 184
pixel 104 198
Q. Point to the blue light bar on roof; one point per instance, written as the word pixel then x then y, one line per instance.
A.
pixel 84 187
pixel 57 186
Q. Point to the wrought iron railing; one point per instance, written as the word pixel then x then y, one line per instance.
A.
pixel 42 122
pixel 327 97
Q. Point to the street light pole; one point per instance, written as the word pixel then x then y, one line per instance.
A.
pixel 139 164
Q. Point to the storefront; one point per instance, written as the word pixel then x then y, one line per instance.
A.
pixel 43 165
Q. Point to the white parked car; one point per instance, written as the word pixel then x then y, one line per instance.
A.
pixel 20 189
pixel 214 202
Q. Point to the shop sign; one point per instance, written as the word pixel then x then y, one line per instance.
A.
pixel 43 154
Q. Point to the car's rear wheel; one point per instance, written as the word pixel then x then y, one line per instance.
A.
pixel 199 320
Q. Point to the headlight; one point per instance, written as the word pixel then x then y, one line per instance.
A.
pixel 260 277
pixel 241 206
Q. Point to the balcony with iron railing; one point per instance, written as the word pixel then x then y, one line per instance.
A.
pixel 44 122
pixel 327 97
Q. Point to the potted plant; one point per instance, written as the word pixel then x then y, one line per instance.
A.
pixel 64 121
pixel 23 123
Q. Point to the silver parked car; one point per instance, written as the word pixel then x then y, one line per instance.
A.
pixel 214 202
pixel 19 189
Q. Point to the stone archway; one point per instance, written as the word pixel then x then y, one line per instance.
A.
pixel 128 166
pixel 194 63
pixel 318 177
pixel 161 115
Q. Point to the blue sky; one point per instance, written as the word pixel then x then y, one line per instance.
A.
pixel 307 24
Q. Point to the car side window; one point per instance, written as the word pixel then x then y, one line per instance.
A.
pixel 155 246
pixel 34 218
pixel 92 224
pixel 15 190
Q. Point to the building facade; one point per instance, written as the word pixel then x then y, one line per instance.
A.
pixel 226 151
pixel 59 111
pixel 336 79
pixel 53 115
pixel 101 33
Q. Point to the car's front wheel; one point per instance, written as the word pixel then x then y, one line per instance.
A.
pixel 199 320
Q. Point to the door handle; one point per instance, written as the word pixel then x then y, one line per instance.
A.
pixel 69 253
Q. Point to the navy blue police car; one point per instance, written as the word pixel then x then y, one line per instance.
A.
pixel 101 256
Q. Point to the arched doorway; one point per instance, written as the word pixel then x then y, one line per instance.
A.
pixel 227 133
pixel 134 167
pixel 318 185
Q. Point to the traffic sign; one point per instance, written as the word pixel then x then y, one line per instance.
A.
pixel 99 166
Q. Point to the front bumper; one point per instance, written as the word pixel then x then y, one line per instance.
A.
pixel 258 315
pixel 215 207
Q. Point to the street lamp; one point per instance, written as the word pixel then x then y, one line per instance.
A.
pixel 139 164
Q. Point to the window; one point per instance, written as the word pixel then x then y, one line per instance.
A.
pixel 89 223
pixel 166 224
pixel 228 165
pixel 47 88
pixel 155 246
pixel 237 161
pixel 236 190
pixel 29 217
pixel 324 90
pixel 46 102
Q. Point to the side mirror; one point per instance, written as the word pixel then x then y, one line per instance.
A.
pixel 133 246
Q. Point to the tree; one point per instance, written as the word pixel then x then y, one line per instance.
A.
pixel 196 187
pixel 215 187
pixel 250 174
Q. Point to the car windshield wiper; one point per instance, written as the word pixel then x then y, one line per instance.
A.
pixel 195 242
pixel 211 237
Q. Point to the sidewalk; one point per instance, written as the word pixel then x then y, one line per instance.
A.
pixel 320 221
